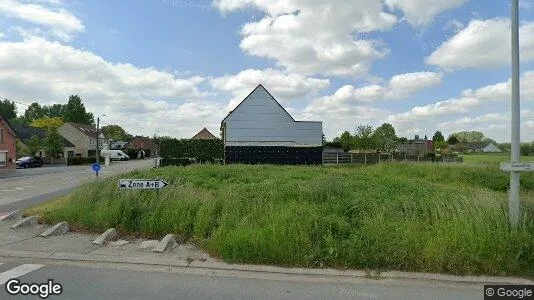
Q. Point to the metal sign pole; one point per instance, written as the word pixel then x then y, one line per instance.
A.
pixel 513 205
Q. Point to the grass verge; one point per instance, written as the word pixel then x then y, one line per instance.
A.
pixel 428 218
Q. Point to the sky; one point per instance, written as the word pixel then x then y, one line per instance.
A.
pixel 172 67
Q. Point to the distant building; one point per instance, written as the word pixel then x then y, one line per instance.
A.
pixel 260 130
pixel 8 148
pixel 416 146
pixel 204 134
pixel 483 147
pixel 25 133
pixel 83 137
pixel 143 143
pixel 117 145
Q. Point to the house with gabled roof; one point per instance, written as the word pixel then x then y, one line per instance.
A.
pixel 8 141
pixel 260 130
pixel 204 134
pixel 25 134
pixel 84 137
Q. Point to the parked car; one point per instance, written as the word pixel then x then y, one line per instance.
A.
pixel 29 162
pixel 115 154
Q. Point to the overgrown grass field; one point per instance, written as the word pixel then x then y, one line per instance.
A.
pixel 492 158
pixel 426 217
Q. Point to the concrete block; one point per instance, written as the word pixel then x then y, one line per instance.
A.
pixel 166 244
pixel 29 221
pixel 150 244
pixel 109 235
pixel 16 214
pixel 59 228
pixel 119 243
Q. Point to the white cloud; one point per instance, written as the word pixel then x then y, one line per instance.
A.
pixel 399 87
pixel 60 22
pixel 283 86
pixel 420 13
pixel 140 99
pixel 483 44
pixel 314 37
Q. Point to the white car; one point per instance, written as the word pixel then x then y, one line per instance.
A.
pixel 115 154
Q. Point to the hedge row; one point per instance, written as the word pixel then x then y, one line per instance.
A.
pixel 199 150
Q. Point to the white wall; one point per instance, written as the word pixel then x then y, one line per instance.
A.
pixel 260 120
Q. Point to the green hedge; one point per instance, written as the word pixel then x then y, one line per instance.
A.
pixel 199 150
pixel 76 160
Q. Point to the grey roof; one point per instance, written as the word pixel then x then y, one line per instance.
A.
pixel 26 132
pixel 88 130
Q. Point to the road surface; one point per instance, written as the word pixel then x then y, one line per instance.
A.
pixel 84 282
pixel 24 187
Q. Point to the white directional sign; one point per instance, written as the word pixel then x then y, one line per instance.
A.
pixel 521 167
pixel 142 184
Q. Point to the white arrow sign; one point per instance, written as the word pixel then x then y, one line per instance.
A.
pixel 141 184
pixel 521 167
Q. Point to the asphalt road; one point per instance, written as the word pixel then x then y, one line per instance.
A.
pixel 24 187
pixel 80 282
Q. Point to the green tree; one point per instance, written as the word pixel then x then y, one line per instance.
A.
pixel 114 132
pixel 363 138
pixel 54 110
pixel 346 140
pixel 53 143
pixel 34 144
pixel 438 137
pixel 75 112
pixel 440 145
pixel 33 112
pixel 48 123
pixel 8 109
pixel 402 140
pixel 452 140
pixel 469 136
pixel 385 137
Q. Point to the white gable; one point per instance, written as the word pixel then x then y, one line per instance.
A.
pixel 261 120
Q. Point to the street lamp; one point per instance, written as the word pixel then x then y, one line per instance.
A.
pixel 98 138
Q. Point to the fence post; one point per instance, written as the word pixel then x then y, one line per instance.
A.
pixel 351 158
pixel 442 158
pixel 365 159
pixel 378 157
pixel 337 158
pixel 417 157
pixel 405 157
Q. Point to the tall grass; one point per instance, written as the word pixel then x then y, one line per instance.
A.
pixel 430 218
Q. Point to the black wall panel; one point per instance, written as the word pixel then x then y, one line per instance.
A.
pixel 273 155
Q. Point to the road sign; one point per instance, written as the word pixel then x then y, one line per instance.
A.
pixel 96 167
pixel 520 167
pixel 141 184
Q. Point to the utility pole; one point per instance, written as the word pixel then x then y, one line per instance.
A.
pixel 98 139
pixel 513 204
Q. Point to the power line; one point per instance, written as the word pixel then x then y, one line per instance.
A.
pixel 15 101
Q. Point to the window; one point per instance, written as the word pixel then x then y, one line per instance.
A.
pixel 3 159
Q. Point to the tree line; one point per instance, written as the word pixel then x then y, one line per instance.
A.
pixel 384 138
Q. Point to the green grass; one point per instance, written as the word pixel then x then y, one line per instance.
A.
pixel 427 217
pixel 492 158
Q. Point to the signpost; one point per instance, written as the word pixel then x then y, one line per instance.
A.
pixel 145 184
pixel 96 167
pixel 518 167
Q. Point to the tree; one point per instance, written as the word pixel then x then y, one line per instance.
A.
pixel 438 137
pixel 324 139
pixel 53 143
pixel 452 140
pixel 34 144
pixel 440 144
pixel 385 137
pixel 469 136
pixel 346 140
pixel 8 109
pixel 48 123
pixel 54 110
pixel 426 138
pixel 114 132
pixel 402 140
pixel 33 112
pixel 75 112
pixel 363 138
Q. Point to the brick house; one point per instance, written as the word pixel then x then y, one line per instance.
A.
pixel 204 134
pixel 83 137
pixel 8 145
pixel 143 143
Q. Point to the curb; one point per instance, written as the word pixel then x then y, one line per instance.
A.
pixel 29 221
pixel 220 266
pixel 59 228
pixel 108 236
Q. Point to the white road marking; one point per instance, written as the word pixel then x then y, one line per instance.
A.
pixel 18 271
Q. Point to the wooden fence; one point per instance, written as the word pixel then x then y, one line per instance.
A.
pixel 340 158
